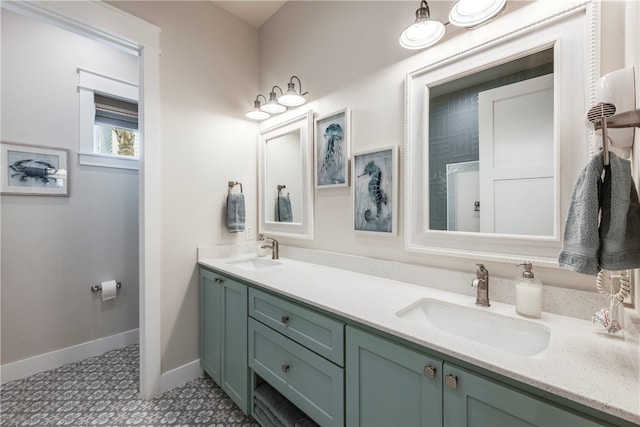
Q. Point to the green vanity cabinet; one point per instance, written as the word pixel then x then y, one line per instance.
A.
pixel 473 400
pixel 390 385
pixel 223 334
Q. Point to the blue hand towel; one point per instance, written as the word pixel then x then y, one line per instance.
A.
pixel 283 209
pixel 602 238
pixel 235 212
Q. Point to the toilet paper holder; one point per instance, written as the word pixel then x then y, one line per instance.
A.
pixel 98 288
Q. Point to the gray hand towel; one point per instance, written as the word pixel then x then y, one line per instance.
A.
pixel 286 412
pixel 283 209
pixel 607 238
pixel 620 220
pixel 581 240
pixel 265 414
pixel 235 212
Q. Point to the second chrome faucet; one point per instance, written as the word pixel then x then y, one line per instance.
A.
pixel 481 283
pixel 274 246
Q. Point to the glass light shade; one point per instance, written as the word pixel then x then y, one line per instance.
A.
pixel 273 106
pixel 255 113
pixel 292 98
pixel 421 34
pixel 472 13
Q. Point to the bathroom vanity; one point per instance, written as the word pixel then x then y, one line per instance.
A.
pixel 354 349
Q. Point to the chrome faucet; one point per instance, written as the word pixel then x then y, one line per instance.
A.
pixel 274 246
pixel 481 283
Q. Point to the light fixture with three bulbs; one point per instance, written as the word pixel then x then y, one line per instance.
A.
pixel 277 104
pixel 425 32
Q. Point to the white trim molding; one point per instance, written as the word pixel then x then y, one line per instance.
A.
pixel 180 376
pixel 54 359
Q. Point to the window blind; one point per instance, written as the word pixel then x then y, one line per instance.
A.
pixel 116 112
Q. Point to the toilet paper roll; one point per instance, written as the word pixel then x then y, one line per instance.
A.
pixel 109 289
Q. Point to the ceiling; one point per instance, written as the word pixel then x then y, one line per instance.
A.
pixel 252 12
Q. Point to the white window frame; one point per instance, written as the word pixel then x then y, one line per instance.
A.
pixel 90 82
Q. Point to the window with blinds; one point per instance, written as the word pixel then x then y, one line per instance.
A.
pixel 116 126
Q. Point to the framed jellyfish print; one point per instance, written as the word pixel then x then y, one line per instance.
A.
pixel 375 191
pixel 331 148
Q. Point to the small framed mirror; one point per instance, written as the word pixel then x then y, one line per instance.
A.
pixel 496 137
pixel 285 197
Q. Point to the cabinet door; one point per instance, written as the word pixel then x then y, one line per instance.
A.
pixel 210 324
pixel 235 369
pixel 471 400
pixel 390 385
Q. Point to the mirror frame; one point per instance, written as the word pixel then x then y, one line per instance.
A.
pixel 573 32
pixel 302 230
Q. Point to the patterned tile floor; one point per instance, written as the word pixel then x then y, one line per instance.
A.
pixel 103 391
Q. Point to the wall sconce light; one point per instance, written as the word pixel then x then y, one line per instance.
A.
pixel 277 105
pixel 292 98
pixel 273 106
pixel 470 14
pixel 256 113
pixel 424 31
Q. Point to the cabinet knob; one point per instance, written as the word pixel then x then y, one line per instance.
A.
pixel 284 319
pixel 285 368
pixel 451 381
pixel 430 372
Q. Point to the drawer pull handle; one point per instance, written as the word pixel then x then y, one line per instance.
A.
pixel 285 368
pixel 284 319
pixel 451 381
pixel 430 372
pixel 219 280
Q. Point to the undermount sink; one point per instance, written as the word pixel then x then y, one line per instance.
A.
pixel 514 335
pixel 254 264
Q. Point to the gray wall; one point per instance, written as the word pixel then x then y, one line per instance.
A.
pixel 55 248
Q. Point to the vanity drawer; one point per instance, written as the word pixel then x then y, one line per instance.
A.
pixel 315 331
pixel 310 382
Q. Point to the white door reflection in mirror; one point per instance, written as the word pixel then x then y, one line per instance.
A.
pixel 517 158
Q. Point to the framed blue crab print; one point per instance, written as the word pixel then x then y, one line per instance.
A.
pixel 331 148
pixel 375 191
pixel 33 170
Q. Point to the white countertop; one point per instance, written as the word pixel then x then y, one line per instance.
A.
pixel 580 363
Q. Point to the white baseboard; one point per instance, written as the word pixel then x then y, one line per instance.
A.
pixel 44 362
pixel 180 376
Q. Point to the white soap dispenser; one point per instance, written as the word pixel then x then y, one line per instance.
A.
pixel 262 251
pixel 528 293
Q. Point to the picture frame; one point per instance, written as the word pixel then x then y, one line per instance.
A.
pixel 332 143
pixel 33 170
pixel 374 177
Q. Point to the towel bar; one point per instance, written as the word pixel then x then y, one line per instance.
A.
pixel 98 288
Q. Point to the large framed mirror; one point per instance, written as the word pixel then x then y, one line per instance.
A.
pixel 285 196
pixel 496 136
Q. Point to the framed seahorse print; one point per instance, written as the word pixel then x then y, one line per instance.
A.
pixel 331 148
pixel 375 191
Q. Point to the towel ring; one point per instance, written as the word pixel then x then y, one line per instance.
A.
pixel 233 184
